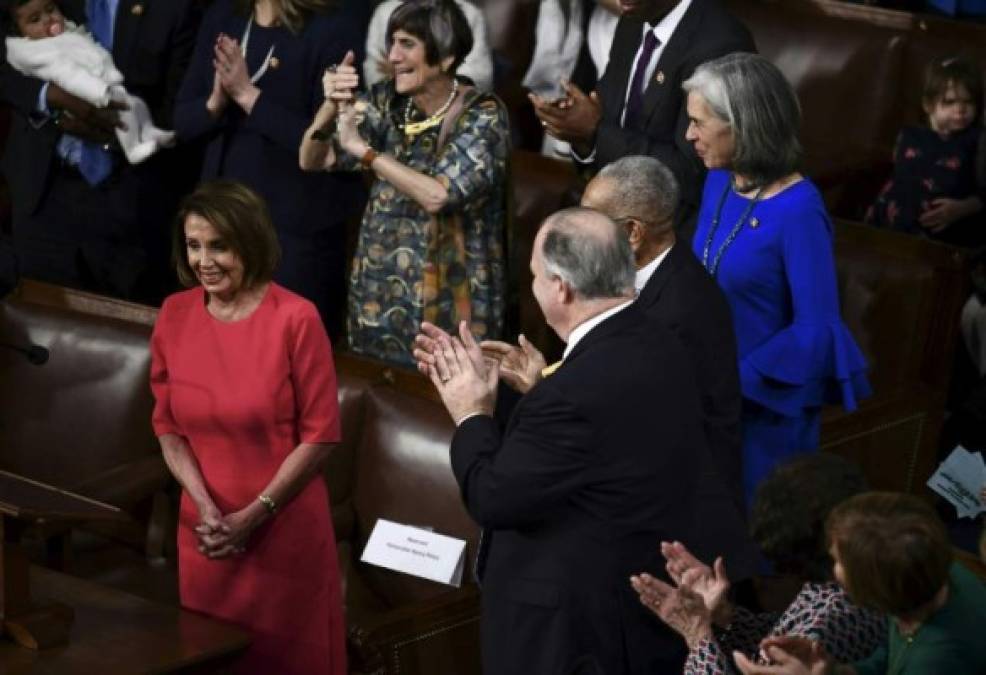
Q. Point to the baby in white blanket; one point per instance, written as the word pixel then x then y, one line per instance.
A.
pixel 51 48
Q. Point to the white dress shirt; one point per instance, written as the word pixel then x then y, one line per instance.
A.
pixel 647 271
pixel 583 328
pixel 662 30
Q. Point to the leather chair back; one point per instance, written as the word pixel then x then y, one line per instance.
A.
pixel 88 409
pixel 403 474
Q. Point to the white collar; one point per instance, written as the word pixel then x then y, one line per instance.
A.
pixel 583 328
pixel 647 271
pixel 665 28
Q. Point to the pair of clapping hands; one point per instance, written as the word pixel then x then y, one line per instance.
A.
pixel 466 372
pixel 231 80
pixel 572 118
pixel 699 599
pixel 339 85
pixel 222 536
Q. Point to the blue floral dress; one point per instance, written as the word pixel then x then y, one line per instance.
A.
pixel 412 266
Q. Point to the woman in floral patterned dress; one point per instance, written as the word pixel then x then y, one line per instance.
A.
pixel 431 245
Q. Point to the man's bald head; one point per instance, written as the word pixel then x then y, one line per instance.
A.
pixel 589 252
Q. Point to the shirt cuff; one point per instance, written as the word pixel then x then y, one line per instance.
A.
pixel 41 107
pixel 584 160
pixel 467 416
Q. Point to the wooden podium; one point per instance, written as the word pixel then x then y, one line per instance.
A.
pixel 23 503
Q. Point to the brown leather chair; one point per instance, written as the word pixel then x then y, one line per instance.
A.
pixel 81 420
pixel 396 448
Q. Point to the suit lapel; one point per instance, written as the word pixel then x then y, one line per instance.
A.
pixel 651 291
pixel 626 42
pixel 129 14
pixel 671 58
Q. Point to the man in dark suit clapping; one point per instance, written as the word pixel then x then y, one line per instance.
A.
pixel 638 107
pixel 597 464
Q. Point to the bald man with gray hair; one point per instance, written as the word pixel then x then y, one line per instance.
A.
pixel 640 195
pixel 599 462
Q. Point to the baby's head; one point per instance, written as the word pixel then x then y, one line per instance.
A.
pixel 953 94
pixel 33 19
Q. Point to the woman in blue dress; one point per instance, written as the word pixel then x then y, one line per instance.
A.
pixel 763 233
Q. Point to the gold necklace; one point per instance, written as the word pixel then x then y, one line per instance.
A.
pixel 412 129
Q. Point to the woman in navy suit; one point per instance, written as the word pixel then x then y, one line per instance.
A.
pixel 252 87
pixel 764 235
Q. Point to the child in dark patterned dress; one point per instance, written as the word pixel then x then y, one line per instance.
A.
pixel 934 190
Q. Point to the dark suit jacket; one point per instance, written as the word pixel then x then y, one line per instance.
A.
pixel 597 465
pixel 706 32
pixel 151 47
pixel 683 297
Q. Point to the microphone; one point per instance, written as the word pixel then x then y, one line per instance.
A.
pixel 35 354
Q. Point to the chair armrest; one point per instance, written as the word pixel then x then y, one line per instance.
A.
pixel 128 484
pixel 409 638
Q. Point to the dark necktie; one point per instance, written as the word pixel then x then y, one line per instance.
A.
pixel 96 164
pixel 635 102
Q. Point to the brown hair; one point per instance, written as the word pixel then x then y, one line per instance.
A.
pixel 241 218
pixel 893 548
pixel 292 14
pixel 952 71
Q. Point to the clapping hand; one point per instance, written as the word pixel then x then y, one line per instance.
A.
pixel 787 656
pixel 232 73
pixel 680 608
pixel 573 118
pixel 520 364
pixel 697 599
pixel 455 365
pixel 341 80
pixel 711 583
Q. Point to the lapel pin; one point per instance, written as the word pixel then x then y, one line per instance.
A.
pixel 137 10
pixel 754 223
pixel 275 62
pixel 659 77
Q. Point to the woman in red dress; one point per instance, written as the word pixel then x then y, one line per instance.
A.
pixel 246 412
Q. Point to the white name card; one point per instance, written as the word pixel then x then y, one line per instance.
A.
pixel 414 551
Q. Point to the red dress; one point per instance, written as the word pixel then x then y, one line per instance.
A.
pixel 244 394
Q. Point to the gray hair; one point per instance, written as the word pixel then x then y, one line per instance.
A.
pixel 587 250
pixel 749 93
pixel 440 24
pixel 642 188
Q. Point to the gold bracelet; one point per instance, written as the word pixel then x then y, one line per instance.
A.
pixel 268 503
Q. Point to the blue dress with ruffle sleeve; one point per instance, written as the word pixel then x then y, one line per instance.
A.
pixel 795 353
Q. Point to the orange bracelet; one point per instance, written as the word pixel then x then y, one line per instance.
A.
pixel 367 159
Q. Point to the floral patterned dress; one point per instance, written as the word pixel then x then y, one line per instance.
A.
pixel 821 612
pixel 928 167
pixel 412 266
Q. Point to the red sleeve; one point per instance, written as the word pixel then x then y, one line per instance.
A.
pixel 161 418
pixel 314 378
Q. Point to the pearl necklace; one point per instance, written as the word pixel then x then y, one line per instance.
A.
pixel 412 129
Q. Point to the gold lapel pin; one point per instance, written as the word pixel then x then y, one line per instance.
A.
pixel 659 77
pixel 137 10
pixel 754 223
pixel 275 62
